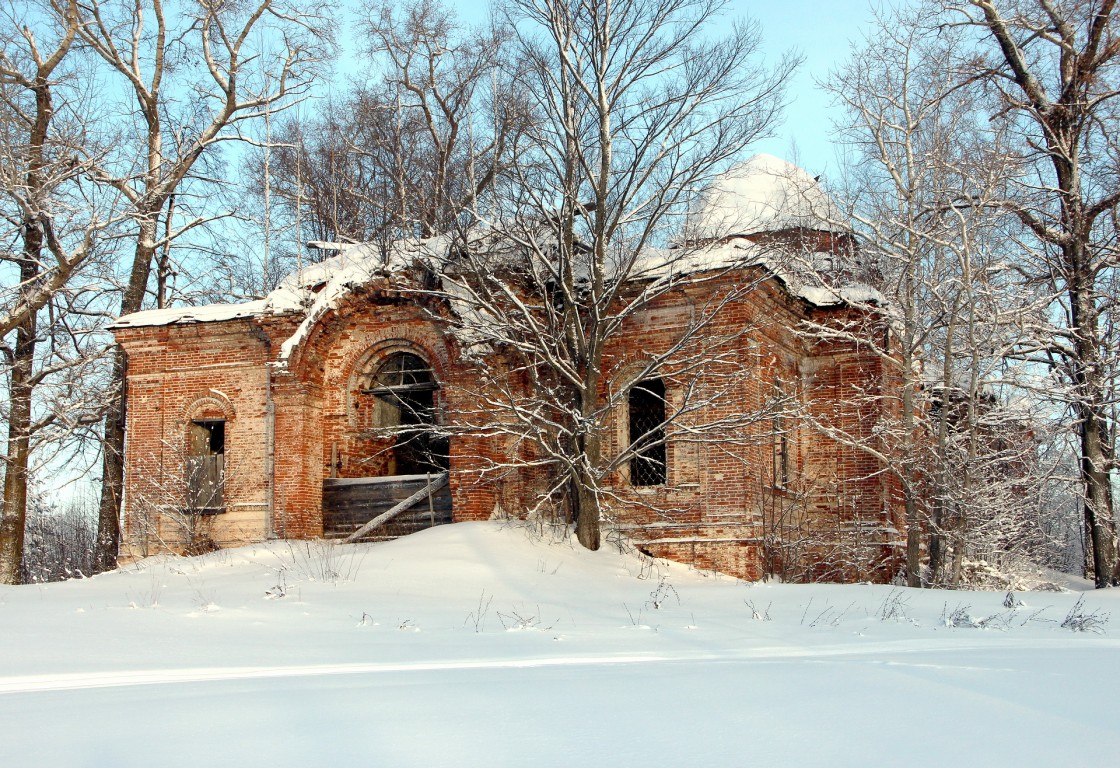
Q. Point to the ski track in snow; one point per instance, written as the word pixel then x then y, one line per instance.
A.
pixel 879 653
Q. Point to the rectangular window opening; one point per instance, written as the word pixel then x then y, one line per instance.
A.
pixel 206 467
pixel 781 453
pixel 646 411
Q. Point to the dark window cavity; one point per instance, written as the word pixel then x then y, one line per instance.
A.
pixel 646 409
pixel 781 452
pixel 404 388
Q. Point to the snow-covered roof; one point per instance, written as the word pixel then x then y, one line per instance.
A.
pixel 315 289
pixel 311 291
pixel 798 271
pixel 306 289
pixel 360 261
pixel 753 188
pixel 207 313
pixel 762 194
pixel 354 265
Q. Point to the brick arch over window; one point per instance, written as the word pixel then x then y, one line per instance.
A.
pixel 365 364
pixel 212 405
pixel 394 395
pixel 206 435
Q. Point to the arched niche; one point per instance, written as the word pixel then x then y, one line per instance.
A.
pixel 394 398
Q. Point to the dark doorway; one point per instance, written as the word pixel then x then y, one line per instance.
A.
pixel 405 389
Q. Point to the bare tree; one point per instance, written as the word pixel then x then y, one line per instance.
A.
pixel 1051 70
pixel 986 180
pixel 411 144
pixel 60 541
pixel 452 115
pixel 917 187
pixel 246 58
pixel 55 217
pixel 634 107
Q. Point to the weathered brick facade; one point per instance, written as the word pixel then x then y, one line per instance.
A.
pixel 289 427
pixel 786 491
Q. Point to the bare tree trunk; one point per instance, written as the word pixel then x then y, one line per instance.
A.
pixel 964 510
pixel 907 473
pixel 1090 408
pixel 22 382
pixel 19 425
pixel 112 471
pixel 1099 515
pixel 587 513
pixel 164 270
pixel 112 460
pixel 587 497
pixel 940 494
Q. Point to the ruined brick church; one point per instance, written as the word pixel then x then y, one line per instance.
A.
pixel 267 419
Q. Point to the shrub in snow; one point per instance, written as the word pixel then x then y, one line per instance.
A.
pixel 894 606
pixel 757 615
pixel 1081 620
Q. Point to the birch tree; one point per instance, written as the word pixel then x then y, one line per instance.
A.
pixel 988 172
pixel 921 182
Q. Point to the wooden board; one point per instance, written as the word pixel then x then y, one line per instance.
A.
pixel 350 503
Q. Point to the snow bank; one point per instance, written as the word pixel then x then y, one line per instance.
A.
pixel 479 644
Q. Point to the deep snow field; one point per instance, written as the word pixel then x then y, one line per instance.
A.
pixel 479 644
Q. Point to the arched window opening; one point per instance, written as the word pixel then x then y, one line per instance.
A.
pixel 646 408
pixel 206 453
pixel 404 387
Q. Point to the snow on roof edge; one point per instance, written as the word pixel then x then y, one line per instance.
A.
pixel 853 293
pixel 206 313
pixel 353 266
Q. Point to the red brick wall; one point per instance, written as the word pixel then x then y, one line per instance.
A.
pixel 177 374
pixel 721 507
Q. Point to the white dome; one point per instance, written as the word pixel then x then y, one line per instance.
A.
pixel 763 194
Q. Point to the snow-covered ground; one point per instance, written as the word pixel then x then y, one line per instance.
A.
pixel 482 645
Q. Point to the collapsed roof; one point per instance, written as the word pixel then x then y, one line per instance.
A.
pixel 762 195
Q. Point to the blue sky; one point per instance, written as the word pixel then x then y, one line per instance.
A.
pixel 820 30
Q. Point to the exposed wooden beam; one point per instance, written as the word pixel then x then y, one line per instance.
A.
pixel 437 482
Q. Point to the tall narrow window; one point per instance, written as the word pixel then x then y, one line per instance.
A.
pixel 206 455
pixel 405 388
pixel 781 452
pixel 646 408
